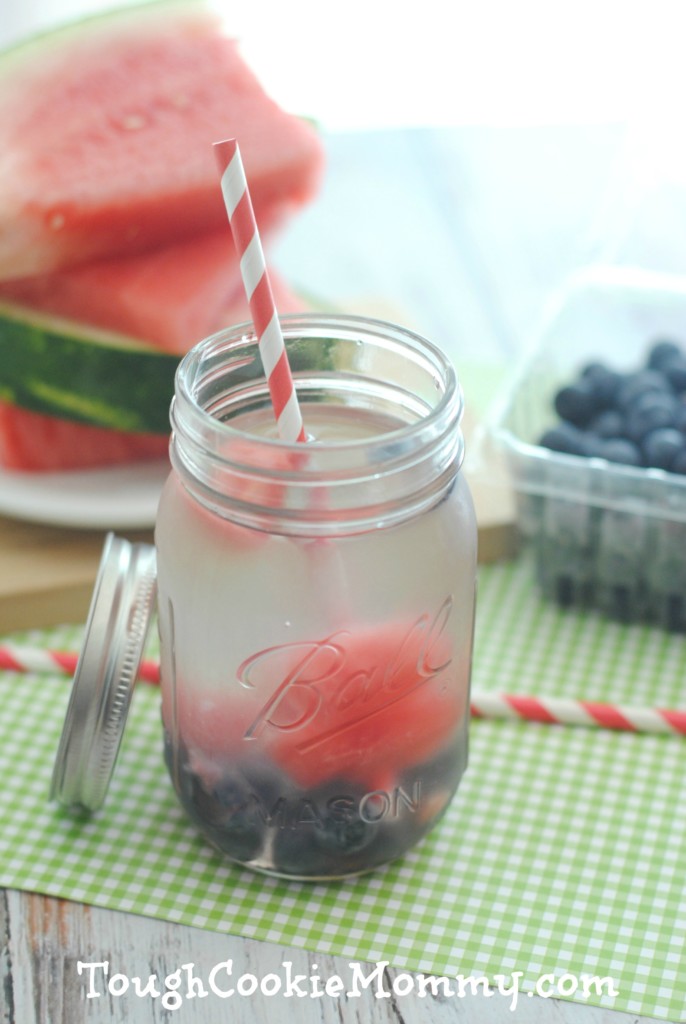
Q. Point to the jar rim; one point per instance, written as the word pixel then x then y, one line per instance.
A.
pixel 356 371
pixel 291 323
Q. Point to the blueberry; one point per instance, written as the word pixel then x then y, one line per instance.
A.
pixel 661 447
pixel 576 403
pixel 679 463
pixel 326 836
pixel 223 810
pixel 662 352
pixel 441 773
pixel 342 830
pixel 650 410
pixel 608 423
pixel 603 381
pixel 619 449
pixel 594 446
pixel 566 438
pixel 675 372
pixel 225 813
pixel 591 369
pixel 635 384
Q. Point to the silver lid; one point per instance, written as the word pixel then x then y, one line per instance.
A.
pixel 116 630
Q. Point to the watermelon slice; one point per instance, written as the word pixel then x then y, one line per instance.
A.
pixel 106 132
pixel 57 372
pixel 32 441
pixel 59 367
pixel 171 297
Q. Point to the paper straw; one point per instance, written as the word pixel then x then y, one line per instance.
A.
pixel 567 711
pixel 258 290
pixel 513 707
pixel 17 658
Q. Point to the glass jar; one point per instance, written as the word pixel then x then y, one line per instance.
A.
pixel 316 601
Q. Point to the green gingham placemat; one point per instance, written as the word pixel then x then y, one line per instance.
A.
pixel 564 852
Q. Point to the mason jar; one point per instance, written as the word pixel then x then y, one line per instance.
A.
pixel 316 600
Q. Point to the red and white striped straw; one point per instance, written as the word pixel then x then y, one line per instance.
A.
pixel 567 711
pixel 258 290
pixel 514 707
pixel 17 658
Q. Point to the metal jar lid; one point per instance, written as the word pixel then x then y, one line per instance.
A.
pixel 116 630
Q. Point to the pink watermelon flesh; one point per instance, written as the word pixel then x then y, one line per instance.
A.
pixel 106 132
pixel 384 712
pixel 33 442
pixel 171 297
pixel 30 441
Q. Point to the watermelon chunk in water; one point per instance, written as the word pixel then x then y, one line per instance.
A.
pixel 106 132
pixel 370 702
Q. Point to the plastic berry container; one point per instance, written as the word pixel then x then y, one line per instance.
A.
pixel 603 535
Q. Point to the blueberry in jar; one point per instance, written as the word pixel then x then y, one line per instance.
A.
pixel 225 814
pixel 222 807
pixel 327 835
pixel 439 774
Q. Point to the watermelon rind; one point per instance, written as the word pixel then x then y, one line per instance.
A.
pixel 61 368
pixel 41 43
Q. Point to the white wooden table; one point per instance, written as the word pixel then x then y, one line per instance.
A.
pixel 463 233
pixel 46 937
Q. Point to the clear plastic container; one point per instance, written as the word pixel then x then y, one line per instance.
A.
pixel 316 602
pixel 603 535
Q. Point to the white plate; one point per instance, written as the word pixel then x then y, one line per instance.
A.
pixel 123 497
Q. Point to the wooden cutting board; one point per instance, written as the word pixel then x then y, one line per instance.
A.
pixel 47 572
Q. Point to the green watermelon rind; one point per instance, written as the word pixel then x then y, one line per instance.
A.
pixel 62 368
pixel 25 51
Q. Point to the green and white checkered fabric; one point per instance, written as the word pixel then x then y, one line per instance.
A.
pixel 563 853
